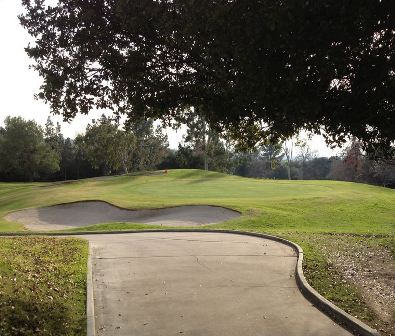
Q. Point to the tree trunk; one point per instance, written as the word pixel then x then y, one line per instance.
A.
pixel 205 147
pixel 125 168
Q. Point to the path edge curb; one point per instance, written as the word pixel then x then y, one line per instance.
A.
pixel 337 314
pixel 341 317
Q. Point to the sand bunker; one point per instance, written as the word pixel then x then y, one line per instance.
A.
pixel 71 215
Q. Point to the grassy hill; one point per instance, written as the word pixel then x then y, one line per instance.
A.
pixel 267 205
pixel 346 229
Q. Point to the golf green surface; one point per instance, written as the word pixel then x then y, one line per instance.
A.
pixel 272 206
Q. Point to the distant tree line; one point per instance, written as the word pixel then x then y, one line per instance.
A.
pixel 351 165
pixel 29 152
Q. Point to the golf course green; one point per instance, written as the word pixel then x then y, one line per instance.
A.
pixel 327 218
pixel 274 206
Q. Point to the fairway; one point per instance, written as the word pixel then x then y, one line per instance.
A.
pixel 268 205
pixel 346 229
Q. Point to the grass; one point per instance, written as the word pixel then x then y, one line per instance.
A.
pixel 327 280
pixel 311 213
pixel 118 226
pixel 42 286
pixel 272 206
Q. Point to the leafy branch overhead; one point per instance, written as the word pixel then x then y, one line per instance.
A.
pixel 256 69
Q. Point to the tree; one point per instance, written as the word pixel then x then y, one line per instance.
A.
pixel 83 168
pixel 305 154
pixel 262 162
pixel 151 144
pixel 383 172
pixel 317 168
pixel 68 158
pixel 186 157
pixel 353 161
pixel 273 154
pixel 262 70
pixel 53 135
pixel 199 136
pixel 24 154
pixel 288 148
pixel 351 166
pixel 170 160
pixel 205 143
pixel 106 147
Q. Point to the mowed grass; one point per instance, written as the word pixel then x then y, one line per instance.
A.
pixel 42 286
pixel 310 213
pixel 267 205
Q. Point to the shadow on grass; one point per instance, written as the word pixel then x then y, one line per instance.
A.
pixel 24 317
pixel 199 176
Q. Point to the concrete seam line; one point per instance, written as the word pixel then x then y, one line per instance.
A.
pixel 90 304
pixel 349 322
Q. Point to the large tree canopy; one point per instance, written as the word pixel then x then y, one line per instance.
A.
pixel 257 69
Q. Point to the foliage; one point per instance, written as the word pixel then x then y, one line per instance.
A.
pixel 104 149
pixel 204 145
pixel 318 168
pixel 53 135
pixel 151 144
pixel 42 286
pixel 357 167
pixel 67 158
pixel 265 161
pixel 258 69
pixel 187 158
pixel 24 153
pixel 305 154
pixel 273 154
pixel 107 147
pixel 288 148
pixel 63 147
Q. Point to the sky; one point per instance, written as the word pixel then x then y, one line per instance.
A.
pixel 18 84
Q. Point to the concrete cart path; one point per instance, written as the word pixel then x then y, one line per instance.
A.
pixel 210 284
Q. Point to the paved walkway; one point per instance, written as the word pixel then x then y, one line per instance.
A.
pixel 195 284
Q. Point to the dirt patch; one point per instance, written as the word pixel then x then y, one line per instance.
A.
pixel 369 264
pixel 372 270
pixel 71 215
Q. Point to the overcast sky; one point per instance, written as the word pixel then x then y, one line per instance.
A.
pixel 19 83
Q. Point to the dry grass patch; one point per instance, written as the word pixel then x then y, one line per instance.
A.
pixel 42 286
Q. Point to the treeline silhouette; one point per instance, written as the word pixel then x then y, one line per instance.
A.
pixel 29 152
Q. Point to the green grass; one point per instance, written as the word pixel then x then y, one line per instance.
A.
pixel 268 205
pixel 311 213
pixel 118 226
pixel 42 286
